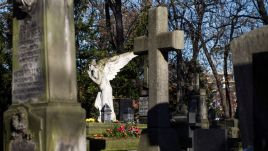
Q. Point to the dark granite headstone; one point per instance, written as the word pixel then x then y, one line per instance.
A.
pixel 209 140
pixel 124 105
pixel 250 67
pixel 260 104
pixel 128 115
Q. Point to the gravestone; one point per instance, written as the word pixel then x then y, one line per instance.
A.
pixel 45 114
pixel 250 59
pixel 124 106
pixel 143 106
pixel 203 109
pixel 128 115
pixel 160 135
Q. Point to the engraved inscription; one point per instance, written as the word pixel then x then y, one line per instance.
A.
pixel 143 107
pixel 28 81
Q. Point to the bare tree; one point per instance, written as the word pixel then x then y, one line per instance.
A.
pixel 116 7
pixel 261 6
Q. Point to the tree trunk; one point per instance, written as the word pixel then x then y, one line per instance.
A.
pixel 179 76
pixel 218 81
pixel 262 11
pixel 108 23
pixel 146 3
pixel 116 7
pixel 227 84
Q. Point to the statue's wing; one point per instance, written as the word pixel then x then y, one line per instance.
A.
pixel 114 64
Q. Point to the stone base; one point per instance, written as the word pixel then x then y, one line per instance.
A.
pixel 158 139
pixel 113 144
pixel 204 123
pixel 45 127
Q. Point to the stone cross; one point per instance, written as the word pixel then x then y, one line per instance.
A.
pixel 158 42
pixel 44 89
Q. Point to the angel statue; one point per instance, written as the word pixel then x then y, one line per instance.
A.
pixel 102 73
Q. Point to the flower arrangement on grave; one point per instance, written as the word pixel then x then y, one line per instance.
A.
pixel 120 130
pixel 90 120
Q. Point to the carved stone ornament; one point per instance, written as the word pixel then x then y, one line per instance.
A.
pixel 26 5
pixel 19 125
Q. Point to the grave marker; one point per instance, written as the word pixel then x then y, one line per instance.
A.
pixel 157 44
pixel 250 55
pixel 45 114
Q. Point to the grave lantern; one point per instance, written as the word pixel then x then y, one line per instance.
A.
pixel 106 113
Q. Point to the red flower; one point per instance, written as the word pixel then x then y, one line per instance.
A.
pixel 121 128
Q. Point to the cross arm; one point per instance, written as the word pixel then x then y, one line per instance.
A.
pixel 171 40
pixel 141 45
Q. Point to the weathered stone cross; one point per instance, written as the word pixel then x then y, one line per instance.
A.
pixel 157 44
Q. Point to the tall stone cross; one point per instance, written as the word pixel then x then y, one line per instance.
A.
pixel 44 114
pixel 157 44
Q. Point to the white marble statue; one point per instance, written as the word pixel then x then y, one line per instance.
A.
pixel 102 73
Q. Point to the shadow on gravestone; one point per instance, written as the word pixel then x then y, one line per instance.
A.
pixel 159 131
pixel 253 112
pixel 244 100
pixel 260 101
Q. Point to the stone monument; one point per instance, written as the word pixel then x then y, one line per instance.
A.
pixel 250 59
pixel 45 114
pixel 102 73
pixel 159 135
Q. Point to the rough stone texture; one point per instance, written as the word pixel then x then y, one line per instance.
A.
pixel 44 79
pixel 44 53
pixel 52 126
pixel 250 63
pixel 203 109
pixel 158 42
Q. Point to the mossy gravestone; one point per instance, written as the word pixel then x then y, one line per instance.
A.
pixel 44 115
